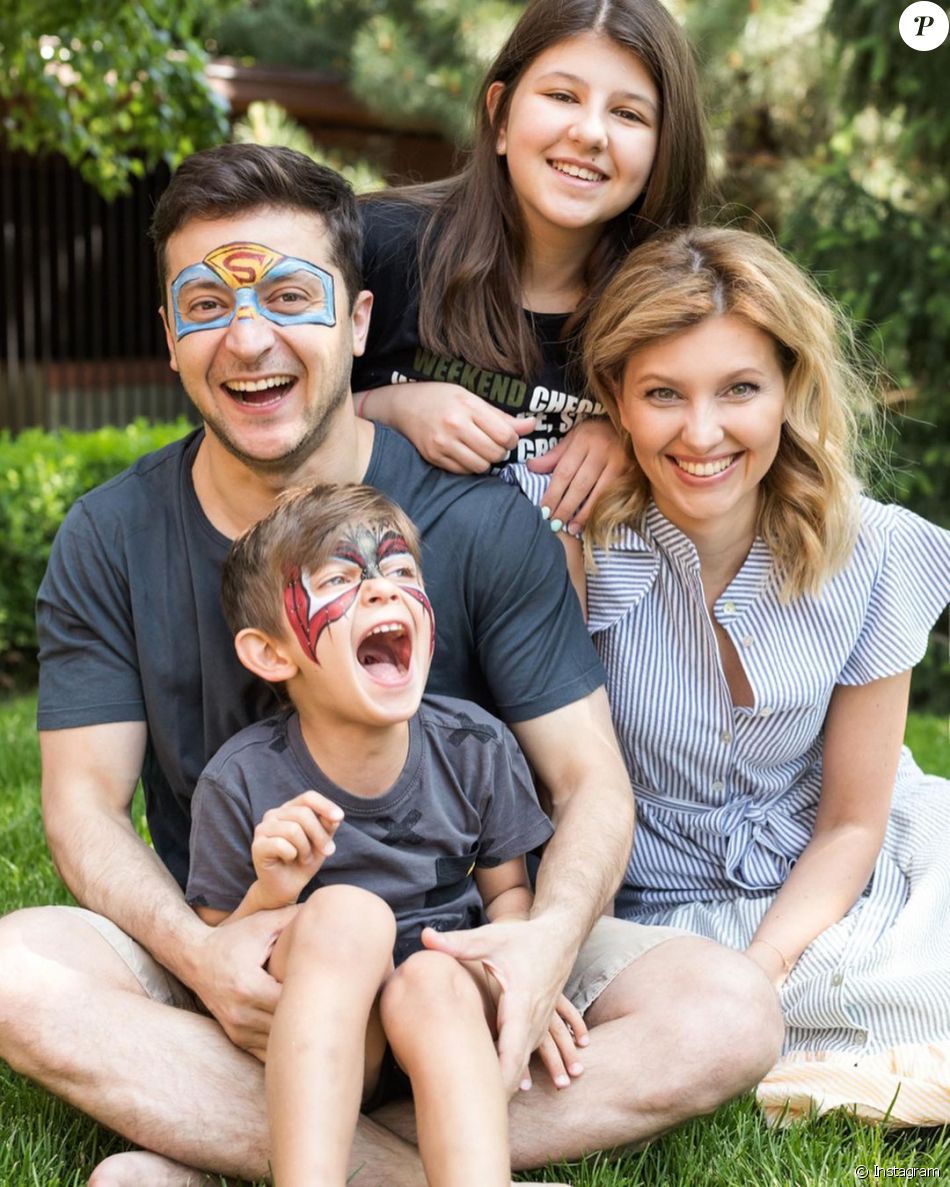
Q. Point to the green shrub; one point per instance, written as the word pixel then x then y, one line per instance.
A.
pixel 41 475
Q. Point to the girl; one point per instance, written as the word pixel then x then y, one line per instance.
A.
pixel 758 619
pixel 589 138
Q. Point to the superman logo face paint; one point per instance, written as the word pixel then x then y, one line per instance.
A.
pixel 242 280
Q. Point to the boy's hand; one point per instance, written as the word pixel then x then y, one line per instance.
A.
pixel 290 845
pixel 558 1050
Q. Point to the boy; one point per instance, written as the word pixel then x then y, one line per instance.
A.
pixel 373 812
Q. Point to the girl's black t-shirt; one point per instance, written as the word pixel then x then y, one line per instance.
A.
pixel 394 354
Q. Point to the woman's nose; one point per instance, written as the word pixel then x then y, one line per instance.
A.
pixel 702 428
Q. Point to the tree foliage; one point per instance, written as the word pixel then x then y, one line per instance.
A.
pixel 879 70
pixel 411 60
pixel 114 86
pixel 296 33
pixel 269 123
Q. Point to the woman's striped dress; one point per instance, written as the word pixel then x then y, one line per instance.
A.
pixel 727 796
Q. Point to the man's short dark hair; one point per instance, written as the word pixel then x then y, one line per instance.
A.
pixel 234 178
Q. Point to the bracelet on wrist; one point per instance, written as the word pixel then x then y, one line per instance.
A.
pixel 361 402
pixel 786 963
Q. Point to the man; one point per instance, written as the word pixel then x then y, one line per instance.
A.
pixel 259 261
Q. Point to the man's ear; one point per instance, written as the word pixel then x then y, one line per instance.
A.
pixel 492 98
pixel 169 340
pixel 359 320
pixel 264 656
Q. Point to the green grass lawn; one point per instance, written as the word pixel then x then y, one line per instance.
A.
pixel 44 1143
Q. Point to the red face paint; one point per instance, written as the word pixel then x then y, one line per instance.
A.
pixel 309 623
pixel 366 552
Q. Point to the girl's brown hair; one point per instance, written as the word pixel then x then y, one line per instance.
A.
pixel 473 244
pixel 808 510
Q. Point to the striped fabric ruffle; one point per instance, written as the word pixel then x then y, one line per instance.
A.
pixel 908 1085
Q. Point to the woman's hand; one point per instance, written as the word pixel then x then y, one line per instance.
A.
pixel 584 464
pixel 451 427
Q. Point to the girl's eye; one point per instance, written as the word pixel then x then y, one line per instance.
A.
pixel 744 390
pixel 562 96
pixel 633 117
pixel 662 395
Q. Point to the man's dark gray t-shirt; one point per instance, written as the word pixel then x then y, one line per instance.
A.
pixel 130 624
pixel 464 799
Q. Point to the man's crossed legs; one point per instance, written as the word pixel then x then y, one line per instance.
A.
pixel 677 1024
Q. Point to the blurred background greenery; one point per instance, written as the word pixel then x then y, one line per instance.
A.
pixel 828 132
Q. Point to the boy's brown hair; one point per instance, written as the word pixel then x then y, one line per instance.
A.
pixel 299 533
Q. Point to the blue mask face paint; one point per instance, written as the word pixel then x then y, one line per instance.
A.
pixel 243 280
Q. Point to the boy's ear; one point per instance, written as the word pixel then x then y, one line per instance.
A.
pixel 264 656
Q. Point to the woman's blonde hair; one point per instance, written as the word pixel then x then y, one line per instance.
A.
pixel 808 511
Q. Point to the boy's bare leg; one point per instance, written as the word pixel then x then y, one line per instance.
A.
pixel 74 1019
pixel 332 960
pixel 434 1017
pixel 687 1026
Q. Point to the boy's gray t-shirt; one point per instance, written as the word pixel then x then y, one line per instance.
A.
pixel 464 799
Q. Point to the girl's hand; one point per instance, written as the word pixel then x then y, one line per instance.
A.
pixel 290 845
pixel 451 427
pixel 558 1050
pixel 589 458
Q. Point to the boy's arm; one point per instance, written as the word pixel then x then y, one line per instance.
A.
pixel 505 890
pixel 255 900
pixel 89 777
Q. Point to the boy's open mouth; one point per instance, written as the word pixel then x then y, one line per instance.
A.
pixel 386 653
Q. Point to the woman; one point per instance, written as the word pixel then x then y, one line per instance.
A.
pixel 589 137
pixel 758 620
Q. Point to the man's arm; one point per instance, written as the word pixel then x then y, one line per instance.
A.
pixel 575 754
pixel 89 777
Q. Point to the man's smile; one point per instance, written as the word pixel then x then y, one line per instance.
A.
pixel 266 391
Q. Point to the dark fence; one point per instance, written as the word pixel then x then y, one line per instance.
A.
pixel 81 344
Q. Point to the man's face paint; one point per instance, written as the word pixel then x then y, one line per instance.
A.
pixel 241 280
pixel 314 601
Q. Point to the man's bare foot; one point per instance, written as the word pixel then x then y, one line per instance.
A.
pixel 142 1168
